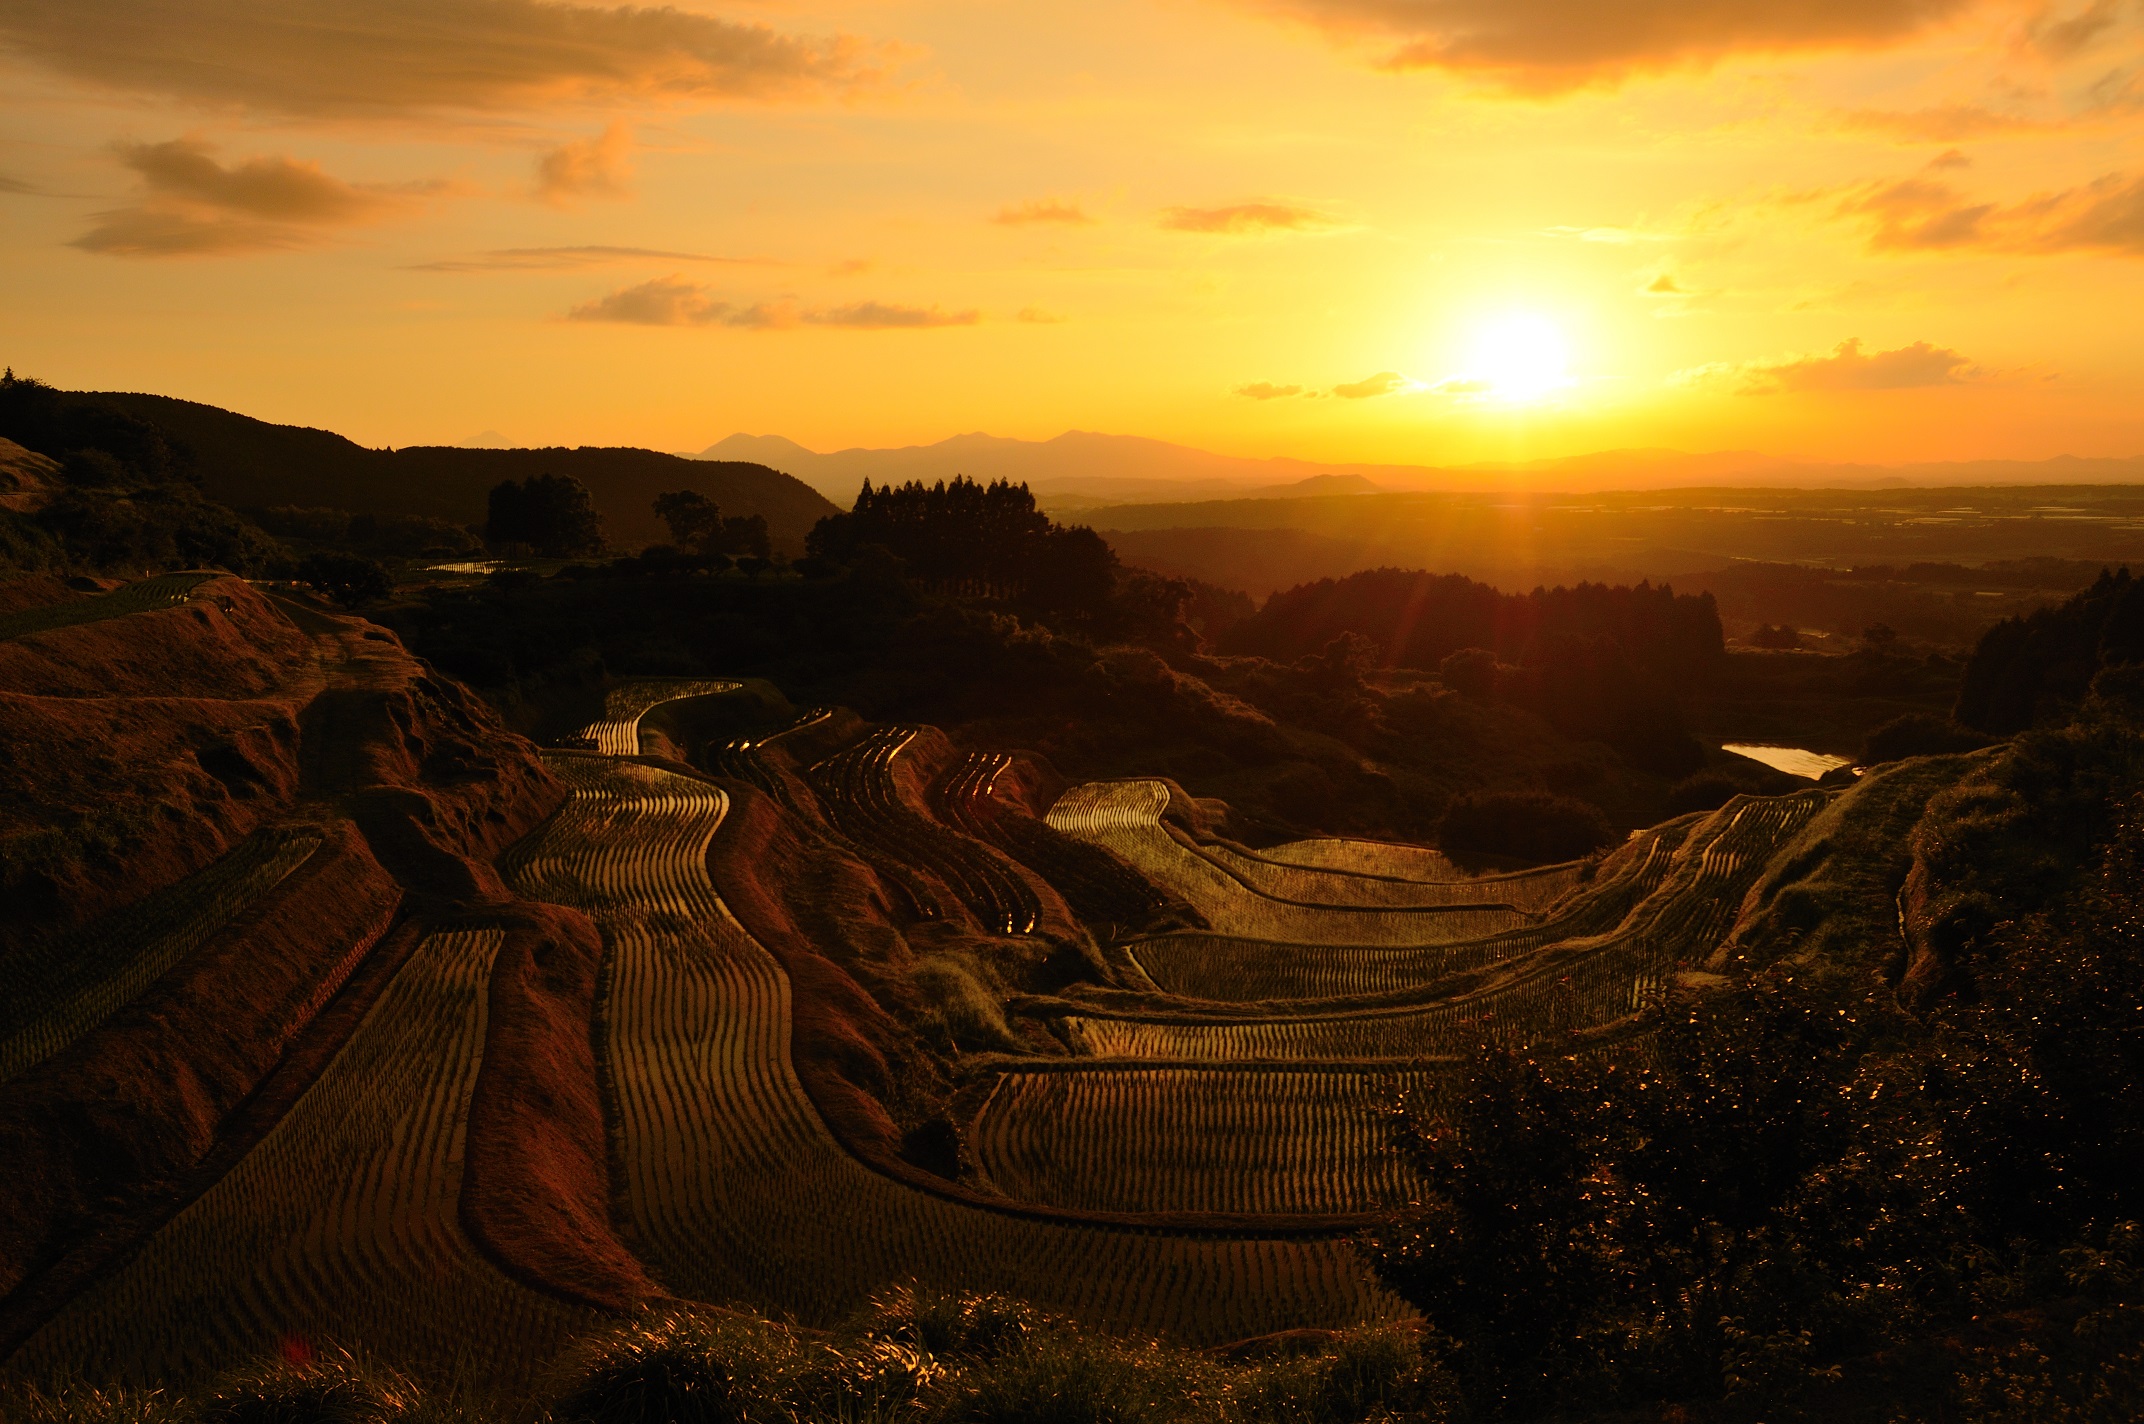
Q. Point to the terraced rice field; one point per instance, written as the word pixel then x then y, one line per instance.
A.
pixel 734 1183
pixel 1231 969
pixel 617 731
pixel 1361 857
pixel 163 591
pixel 1124 818
pixel 857 788
pixel 1533 891
pixel 1269 1139
pixel 1195 1107
pixel 61 991
pixel 340 1225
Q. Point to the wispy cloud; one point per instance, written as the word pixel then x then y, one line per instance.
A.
pixel 552 259
pixel 599 167
pixel 1266 390
pixel 1550 45
pixel 394 56
pixel 677 301
pixel 1845 368
pixel 192 205
pixel 1249 219
pixel 1943 123
pixel 1043 211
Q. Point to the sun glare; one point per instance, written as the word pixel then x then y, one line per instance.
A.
pixel 1520 357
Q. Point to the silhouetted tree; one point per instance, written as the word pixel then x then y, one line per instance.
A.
pixel 549 514
pixel 2034 669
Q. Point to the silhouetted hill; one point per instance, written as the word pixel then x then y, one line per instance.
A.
pixel 248 463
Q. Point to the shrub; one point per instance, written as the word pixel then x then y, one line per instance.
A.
pixel 1470 672
pixel 346 578
pixel 1918 734
pixel 1767 636
pixel 959 1327
pixel 1706 791
pixel 680 1369
pixel 1071 1378
pixel 1524 825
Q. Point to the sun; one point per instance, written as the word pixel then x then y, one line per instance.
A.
pixel 1521 356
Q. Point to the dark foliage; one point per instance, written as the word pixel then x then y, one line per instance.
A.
pixel 550 515
pixel 1705 791
pixel 1918 734
pixel 1418 619
pixel 1780 637
pixel 984 540
pixel 2033 670
pixel 1797 1198
pixel 349 579
pixel 334 1388
pixel 403 536
pixel 1523 825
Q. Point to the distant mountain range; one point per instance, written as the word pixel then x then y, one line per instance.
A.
pixel 1081 470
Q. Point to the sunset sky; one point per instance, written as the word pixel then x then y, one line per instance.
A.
pixel 1419 231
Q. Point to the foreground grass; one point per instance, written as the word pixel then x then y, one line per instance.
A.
pixel 910 1357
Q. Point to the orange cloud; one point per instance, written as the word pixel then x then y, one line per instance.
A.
pixel 389 56
pixel 1043 210
pixel 675 301
pixel 1922 214
pixel 1559 44
pixel 1384 383
pixel 1266 390
pixel 1248 218
pixel 1946 123
pixel 1846 368
pixel 599 167
pixel 192 205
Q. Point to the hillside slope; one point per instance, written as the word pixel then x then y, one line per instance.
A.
pixel 248 464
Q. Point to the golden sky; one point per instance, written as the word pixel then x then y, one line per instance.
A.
pixel 1419 231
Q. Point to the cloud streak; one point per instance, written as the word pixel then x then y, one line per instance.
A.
pixel 1560 44
pixel 1266 390
pixel 555 259
pixel 1248 219
pixel 192 205
pixel 676 301
pixel 395 56
pixel 1042 211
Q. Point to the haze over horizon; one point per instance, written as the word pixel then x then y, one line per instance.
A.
pixel 1341 231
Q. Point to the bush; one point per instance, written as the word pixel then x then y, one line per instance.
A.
pixel 1706 791
pixel 82 1404
pixel 1523 825
pixel 958 1327
pixel 679 1369
pixel 1918 734
pixel 1470 672
pixel 1767 636
pixel 346 578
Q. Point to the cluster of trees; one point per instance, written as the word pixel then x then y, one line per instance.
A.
pixel 1532 826
pixel 988 541
pixel 2033 670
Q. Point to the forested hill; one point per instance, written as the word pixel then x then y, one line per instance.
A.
pixel 251 464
